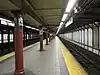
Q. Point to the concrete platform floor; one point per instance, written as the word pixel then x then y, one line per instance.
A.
pixel 47 62
pixel 26 72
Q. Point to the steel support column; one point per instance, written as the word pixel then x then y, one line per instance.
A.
pixel 32 35
pixel 28 36
pixel 98 39
pixel 81 37
pixel 18 44
pixel 87 38
pixel 92 38
pixel 72 35
pixel 41 40
pixel 9 46
pixel 2 41
pixel 47 38
pixel 13 32
pixel 84 38
pixel 24 36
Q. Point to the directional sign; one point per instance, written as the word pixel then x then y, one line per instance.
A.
pixel 20 21
pixel 41 32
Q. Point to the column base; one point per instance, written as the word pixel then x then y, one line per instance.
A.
pixel 41 50
pixel 46 44
pixel 26 72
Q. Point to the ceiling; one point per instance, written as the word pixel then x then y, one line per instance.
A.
pixel 45 13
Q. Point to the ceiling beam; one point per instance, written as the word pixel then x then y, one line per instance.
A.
pixel 52 25
pixel 26 7
pixel 51 15
pixel 49 8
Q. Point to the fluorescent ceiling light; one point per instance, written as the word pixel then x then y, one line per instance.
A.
pixel 7 22
pixel 11 24
pixel 70 5
pixel 28 27
pixel 37 29
pixel 61 24
pixel 33 28
pixel 5 19
pixel 69 22
pixel 3 22
pixel 75 10
pixel 51 34
pixel 64 17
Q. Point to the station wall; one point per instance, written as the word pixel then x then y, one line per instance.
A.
pixel 87 38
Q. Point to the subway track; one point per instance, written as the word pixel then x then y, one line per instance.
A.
pixel 88 60
pixel 25 43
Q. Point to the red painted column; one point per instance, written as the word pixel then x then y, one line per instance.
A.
pixel 18 45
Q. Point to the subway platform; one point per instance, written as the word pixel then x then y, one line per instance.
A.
pixel 54 60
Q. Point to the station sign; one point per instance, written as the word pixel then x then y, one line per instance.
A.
pixel 20 21
pixel 41 32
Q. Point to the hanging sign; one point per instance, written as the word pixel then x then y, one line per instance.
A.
pixel 41 32
pixel 20 21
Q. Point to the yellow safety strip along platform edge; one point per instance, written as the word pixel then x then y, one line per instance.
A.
pixel 73 66
pixel 3 58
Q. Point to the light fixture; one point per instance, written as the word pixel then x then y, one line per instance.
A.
pixel 37 29
pixel 64 17
pixel 7 22
pixel 70 5
pixel 3 22
pixel 28 27
pixel 69 22
pixel 11 24
pixel 33 28
pixel 75 10
pixel 61 23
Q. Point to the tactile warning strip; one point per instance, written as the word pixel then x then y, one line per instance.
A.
pixel 73 66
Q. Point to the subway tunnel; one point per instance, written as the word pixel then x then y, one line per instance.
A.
pixel 49 37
